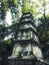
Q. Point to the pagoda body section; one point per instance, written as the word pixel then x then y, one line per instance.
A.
pixel 26 29
pixel 26 39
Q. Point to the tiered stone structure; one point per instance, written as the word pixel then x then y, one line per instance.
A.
pixel 26 41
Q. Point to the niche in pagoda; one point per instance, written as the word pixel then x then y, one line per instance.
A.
pixel 26 39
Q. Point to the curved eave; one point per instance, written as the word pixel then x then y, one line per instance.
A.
pixel 31 41
pixel 22 30
pixel 27 22
pixel 27 13
pixel 26 17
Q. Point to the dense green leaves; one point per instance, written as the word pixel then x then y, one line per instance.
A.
pixel 43 30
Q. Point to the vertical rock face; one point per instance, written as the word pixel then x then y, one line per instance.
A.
pixel 26 39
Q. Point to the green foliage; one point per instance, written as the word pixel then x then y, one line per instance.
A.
pixel 8 42
pixel 2 47
pixel 3 8
pixel 1 32
pixel 25 5
pixel 43 30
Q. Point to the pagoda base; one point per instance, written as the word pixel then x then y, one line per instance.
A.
pixel 21 62
pixel 25 62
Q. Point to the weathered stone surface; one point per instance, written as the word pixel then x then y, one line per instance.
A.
pixel 27 42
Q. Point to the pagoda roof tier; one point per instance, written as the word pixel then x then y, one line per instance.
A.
pixel 27 22
pixel 27 14
pixel 27 29
pixel 26 17
pixel 31 41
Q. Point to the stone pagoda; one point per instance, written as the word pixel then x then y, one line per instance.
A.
pixel 26 40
